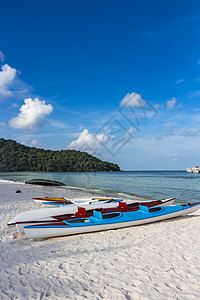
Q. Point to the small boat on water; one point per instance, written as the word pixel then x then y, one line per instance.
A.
pixel 73 208
pixel 194 169
pixel 82 212
pixel 114 220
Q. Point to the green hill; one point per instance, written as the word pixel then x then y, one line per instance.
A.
pixel 15 157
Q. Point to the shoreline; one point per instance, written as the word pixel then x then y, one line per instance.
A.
pixel 139 185
pixel 101 193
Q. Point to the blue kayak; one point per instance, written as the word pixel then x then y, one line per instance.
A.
pixel 99 221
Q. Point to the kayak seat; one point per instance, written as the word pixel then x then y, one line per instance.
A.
pixel 144 208
pixel 122 205
pixel 81 212
pixel 97 215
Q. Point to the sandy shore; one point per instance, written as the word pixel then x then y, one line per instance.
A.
pixel 155 261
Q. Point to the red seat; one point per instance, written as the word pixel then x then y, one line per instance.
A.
pixel 122 205
pixel 81 212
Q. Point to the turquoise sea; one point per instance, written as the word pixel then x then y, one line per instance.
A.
pixel 149 184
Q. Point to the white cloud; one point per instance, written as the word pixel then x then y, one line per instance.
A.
pixel 11 85
pixel 156 106
pixel 58 124
pixel 2 124
pixel 172 156
pixel 131 131
pixel 133 100
pixel 7 75
pixel 1 56
pixel 33 143
pixel 32 115
pixel 171 103
pixel 179 81
pixel 194 94
pixel 89 142
pixel 28 143
pixel 15 105
pixel 189 132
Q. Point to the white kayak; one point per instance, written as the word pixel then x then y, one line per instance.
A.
pixel 49 201
pixel 65 209
pixel 72 208
pixel 99 222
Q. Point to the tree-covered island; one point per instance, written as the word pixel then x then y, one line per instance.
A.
pixel 15 157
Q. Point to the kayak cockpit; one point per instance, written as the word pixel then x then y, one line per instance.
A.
pixel 155 209
pixel 111 215
pixel 97 216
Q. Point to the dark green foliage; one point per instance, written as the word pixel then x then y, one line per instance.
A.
pixel 15 157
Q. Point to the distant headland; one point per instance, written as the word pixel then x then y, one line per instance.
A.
pixel 15 157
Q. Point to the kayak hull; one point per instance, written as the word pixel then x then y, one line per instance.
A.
pixel 46 215
pixel 143 216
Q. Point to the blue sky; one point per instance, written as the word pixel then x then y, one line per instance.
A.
pixel 119 79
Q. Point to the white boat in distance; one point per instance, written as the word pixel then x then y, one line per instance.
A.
pixel 194 169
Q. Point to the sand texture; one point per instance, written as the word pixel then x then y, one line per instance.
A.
pixel 154 261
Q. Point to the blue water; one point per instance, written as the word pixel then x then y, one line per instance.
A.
pixel 149 184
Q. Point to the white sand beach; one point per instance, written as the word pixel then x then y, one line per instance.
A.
pixel 154 261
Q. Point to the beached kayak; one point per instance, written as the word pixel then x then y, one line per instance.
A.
pixel 114 220
pixel 65 209
pixel 82 212
pixel 50 199
pixel 52 202
pixel 43 200
pixel 72 208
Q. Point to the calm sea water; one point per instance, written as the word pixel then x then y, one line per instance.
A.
pixel 150 184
